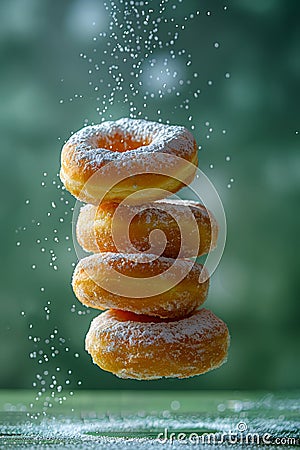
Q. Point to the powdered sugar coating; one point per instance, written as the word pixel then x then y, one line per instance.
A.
pixel 121 261
pixel 201 325
pixel 140 283
pixel 114 160
pixel 155 137
pixel 188 228
pixel 143 348
pixel 178 209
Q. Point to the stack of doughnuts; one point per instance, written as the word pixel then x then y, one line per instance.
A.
pixel 143 270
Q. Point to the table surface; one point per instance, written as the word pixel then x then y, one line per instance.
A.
pixel 149 419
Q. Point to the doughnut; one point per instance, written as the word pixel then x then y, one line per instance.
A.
pixel 147 348
pixel 140 283
pixel 143 271
pixel 95 224
pixel 130 155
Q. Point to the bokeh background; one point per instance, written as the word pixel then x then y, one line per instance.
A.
pixel 234 80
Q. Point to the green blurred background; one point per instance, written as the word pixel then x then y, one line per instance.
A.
pixel 239 95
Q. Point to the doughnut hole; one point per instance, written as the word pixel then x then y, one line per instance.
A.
pixel 120 143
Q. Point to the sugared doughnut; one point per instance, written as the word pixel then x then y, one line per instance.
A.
pixel 100 229
pixel 134 149
pixel 141 283
pixel 145 348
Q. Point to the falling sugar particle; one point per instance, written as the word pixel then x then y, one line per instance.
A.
pixel 175 405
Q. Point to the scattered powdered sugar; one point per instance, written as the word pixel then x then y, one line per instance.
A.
pixel 180 221
pixel 146 337
pixel 178 209
pixel 154 137
pixel 180 206
pixel 121 261
pixel 156 211
pixel 202 325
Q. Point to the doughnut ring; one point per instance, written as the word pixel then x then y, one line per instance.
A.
pixel 135 148
pixel 147 348
pixel 140 283
pixel 98 226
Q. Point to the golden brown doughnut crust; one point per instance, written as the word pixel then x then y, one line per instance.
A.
pixel 179 300
pixel 94 227
pixel 145 348
pixel 130 146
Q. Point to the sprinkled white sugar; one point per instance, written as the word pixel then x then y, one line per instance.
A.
pixel 176 208
pixel 180 219
pixel 146 338
pixel 127 260
pixel 180 210
pixel 158 212
pixel 201 325
pixel 155 137
pixel 181 205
